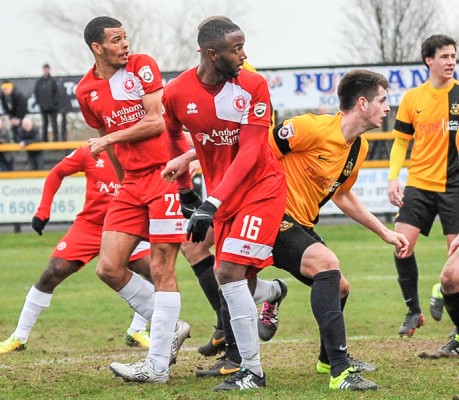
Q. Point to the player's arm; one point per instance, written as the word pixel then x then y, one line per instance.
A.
pixel 151 124
pixel 348 202
pixel 397 158
pixel 70 165
pixel 112 156
pixel 179 148
pixel 251 139
pixel 177 169
pixel 178 166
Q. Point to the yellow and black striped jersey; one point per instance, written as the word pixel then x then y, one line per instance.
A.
pixel 314 154
pixel 430 117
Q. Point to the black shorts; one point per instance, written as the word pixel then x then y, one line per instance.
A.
pixel 420 207
pixel 291 242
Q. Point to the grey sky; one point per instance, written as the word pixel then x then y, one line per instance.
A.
pixel 280 33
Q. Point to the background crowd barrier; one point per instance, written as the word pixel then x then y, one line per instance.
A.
pixel 20 191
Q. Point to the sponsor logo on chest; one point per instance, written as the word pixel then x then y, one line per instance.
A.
pixel 225 137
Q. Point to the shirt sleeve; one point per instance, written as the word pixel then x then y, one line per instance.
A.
pixel 397 157
pixel 70 165
pixel 403 125
pixel 289 136
pixel 250 143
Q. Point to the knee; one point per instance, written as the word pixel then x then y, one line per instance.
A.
pixel 227 274
pixel 55 273
pixel 141 267
pixel 447 280
pixel 106 272
pixel 195 252
pixel 343 287
pixel 187 250
pixel 319 262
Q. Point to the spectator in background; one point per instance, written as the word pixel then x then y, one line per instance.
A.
pixel 14 104
pixel 6 157
pixel 64 107
pixel 47 98
pixel 28 134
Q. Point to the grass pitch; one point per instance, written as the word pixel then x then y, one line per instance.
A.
pixel 82 332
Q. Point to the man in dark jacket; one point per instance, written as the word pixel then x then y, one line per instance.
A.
pixel 28 134
pixel 14 105
pixel 46 95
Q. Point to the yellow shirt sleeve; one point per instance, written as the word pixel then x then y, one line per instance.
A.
pixel 248 67
pixel 397 157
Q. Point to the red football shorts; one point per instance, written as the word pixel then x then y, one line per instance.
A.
pixel 248 237
pixel 148 207
pixel 143 249
pixel 81 242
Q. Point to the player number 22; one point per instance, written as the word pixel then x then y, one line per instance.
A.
pixel 173 207
pixel 251 227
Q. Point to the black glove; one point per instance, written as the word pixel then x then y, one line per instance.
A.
pixel 189 203
pixel 39 224
pixel 200 222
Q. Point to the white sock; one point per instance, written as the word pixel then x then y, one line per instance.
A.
pixel 35 303
pixel 266 291
pixel 244 315
pixel 139 295
pixel 165 316
pixel 138 323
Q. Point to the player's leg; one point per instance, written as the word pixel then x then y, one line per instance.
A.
pixel 138 333
pixel 448 211
pixel 408 274
pixel 323 266
pixel 243 313
pixel 270 294
pixel 301 252
pixel 166 332
pixel 38 300
pixel 415 216
pixel 112 269
pixel 450 290
pixel 202 262
pixel 76 248
pixel 246 240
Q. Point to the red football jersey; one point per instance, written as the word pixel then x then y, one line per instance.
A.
pixel 214 122
pixel 116 104
pixel 101 184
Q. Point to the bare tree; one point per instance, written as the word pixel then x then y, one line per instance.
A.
pixel 388 31
pixel 164 29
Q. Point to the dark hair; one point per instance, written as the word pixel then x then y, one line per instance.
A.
pixel 430 46
pixel 206 20
pixel 359 83
pixel 212 33
pixel 94 30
